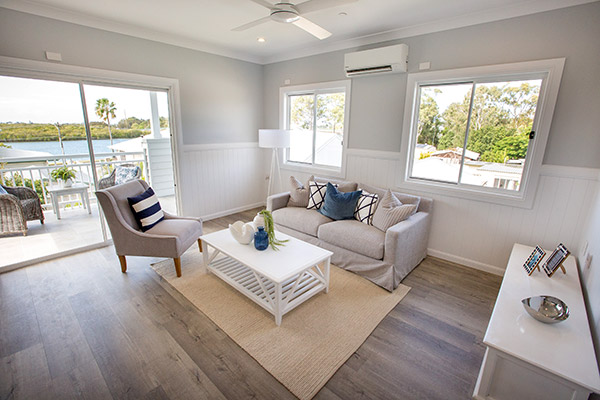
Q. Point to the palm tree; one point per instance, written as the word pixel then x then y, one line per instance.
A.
pixel 105 109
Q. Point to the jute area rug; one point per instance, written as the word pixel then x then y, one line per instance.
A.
pixel 314 339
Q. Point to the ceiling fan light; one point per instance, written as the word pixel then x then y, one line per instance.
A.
pixel 284 16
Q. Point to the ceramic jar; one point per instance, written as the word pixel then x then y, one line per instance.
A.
pixel 259 220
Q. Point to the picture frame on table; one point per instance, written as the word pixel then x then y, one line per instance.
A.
pixel 555 260
pixel 533 261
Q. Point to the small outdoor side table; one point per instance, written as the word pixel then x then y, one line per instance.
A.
pixel 77 188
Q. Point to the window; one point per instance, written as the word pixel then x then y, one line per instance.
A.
pixel 316 115
pixel 480 130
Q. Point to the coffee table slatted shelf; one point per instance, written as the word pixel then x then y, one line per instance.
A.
pixel 278 281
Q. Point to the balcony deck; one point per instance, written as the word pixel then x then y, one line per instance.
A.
pixel 75 229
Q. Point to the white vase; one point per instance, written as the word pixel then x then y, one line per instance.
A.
pixel 68 183
pixel 259 220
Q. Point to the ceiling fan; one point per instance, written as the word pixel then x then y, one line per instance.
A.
pixel 288 13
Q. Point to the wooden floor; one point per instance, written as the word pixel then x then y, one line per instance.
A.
pixel 77 327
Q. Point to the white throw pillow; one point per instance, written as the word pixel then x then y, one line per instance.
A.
pixel 365 208
pixel 316 196
pixel 390 211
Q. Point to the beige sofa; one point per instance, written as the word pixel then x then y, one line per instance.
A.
pixel 384 258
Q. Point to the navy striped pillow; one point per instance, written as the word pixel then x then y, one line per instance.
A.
pixel 146 209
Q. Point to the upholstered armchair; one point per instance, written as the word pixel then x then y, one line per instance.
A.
pixel 170 237
pixel 121 174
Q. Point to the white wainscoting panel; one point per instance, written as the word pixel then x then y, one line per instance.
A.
pixel 481 234
pixel 222 179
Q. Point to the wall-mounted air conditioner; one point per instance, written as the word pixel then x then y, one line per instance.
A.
pixel 391 59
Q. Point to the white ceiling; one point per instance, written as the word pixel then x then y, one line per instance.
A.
pixel 207 24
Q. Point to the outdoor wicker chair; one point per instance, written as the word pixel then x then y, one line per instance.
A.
pixel 17 206
pixel 121 174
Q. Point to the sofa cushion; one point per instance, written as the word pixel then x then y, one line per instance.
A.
pixel 316 195
pixel 339 205
pixel 355 236
pixel 343 186
pixel 365 208
pixel 182 228
pixel 125 174
pixel 300 219
pixel 403 197
pixel 391 211
pixel 298 193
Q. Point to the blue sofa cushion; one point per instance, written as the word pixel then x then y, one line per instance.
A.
pixel 338 205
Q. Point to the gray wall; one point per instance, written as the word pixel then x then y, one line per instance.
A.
pixel 377 105
pixel 591 274
pixel 213 89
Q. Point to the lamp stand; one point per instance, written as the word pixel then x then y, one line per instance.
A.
pixel 274 169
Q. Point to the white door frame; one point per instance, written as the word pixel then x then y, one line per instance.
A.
pixel 24 68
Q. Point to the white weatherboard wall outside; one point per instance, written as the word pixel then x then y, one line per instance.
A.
pixel 160 165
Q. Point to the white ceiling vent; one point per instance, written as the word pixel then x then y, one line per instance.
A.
pixel 391 59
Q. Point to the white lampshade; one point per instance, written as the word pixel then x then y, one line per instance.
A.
pixel 273 138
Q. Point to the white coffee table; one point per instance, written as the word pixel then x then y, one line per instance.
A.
pixel 278 281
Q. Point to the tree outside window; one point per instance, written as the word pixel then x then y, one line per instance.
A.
pixel 496 119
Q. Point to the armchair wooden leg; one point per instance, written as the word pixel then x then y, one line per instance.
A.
pixel 177 266
pixel 200 245
pixel 123 264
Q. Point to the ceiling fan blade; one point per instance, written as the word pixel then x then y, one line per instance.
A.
pixel 312 28
pixel 263 3
pixel 316 5
pixel 252 24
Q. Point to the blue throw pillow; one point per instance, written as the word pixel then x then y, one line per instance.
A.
pixel 146 209
pixel 2 190
pixel 339 205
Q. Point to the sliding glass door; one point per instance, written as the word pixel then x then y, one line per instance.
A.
pixel 61 139
pixel 44 148
pixel 131 128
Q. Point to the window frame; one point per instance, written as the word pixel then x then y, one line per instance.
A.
pixel 315 89
pixel 550 71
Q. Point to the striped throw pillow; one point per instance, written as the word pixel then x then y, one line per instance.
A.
pixel 146 209
pixel 390 211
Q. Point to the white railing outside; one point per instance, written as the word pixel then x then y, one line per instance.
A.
pixel 11 168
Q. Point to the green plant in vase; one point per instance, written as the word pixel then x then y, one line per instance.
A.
pixel 270 229
pixel 63 173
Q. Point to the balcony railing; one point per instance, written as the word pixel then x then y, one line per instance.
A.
pixel 15 172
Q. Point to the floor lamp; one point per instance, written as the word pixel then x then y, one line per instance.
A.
pixel 274 139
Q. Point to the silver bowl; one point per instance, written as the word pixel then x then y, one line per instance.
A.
pixel 547 309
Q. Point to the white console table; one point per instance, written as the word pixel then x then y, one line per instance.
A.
pixel 527 359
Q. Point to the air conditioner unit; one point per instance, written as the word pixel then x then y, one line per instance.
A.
pixel 391 59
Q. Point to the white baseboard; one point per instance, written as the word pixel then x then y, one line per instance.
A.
pixel 466 262
pixel 232 211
